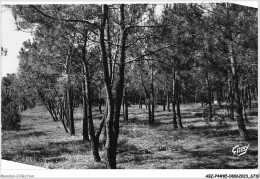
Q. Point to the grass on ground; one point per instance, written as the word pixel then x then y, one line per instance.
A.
pixel 44 143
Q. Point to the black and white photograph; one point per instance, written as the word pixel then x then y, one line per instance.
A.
pixel 121 85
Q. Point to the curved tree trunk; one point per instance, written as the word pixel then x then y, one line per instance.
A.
pixel 112 120
pixel 88 93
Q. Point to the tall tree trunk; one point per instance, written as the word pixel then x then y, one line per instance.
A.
pixel 91 130
pixel 88 93
pixel 152 99
pixel 177 97
pixel 174 100
pixel 110 152
pixel 238 106
pixel 85 113
pixel 120 82
pixel 235 80
pixel 112 121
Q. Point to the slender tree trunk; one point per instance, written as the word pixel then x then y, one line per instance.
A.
pixel 243 94
pixel 219 95
pixel 177 97
pixel 174 100
pixel 71 116
pixel 202 98
pixel 168 102
pixel 231 99
pixel 61 114
pixel 100 101
pixel 196 94
pixel 85 114
pixel 249 97
pixel 135 99
pixel 209 98
pixel 88 93
pixel 152 100
pixel 164 102
pixel 66 109
pixel 94 141
pixel 254 93
pixel 149 110
pixel 126 105
pixel 212 97
pixel 174 112
pixel 140 102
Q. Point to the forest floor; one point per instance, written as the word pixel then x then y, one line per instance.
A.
pixel 44 143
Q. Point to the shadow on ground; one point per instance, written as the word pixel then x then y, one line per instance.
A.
pixel 51 152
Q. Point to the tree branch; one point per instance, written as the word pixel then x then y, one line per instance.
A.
pixel 138 58
pixel 94 26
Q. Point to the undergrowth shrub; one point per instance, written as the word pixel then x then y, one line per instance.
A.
pixel 10 119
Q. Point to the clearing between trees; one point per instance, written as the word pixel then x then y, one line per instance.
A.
pixel 43 142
